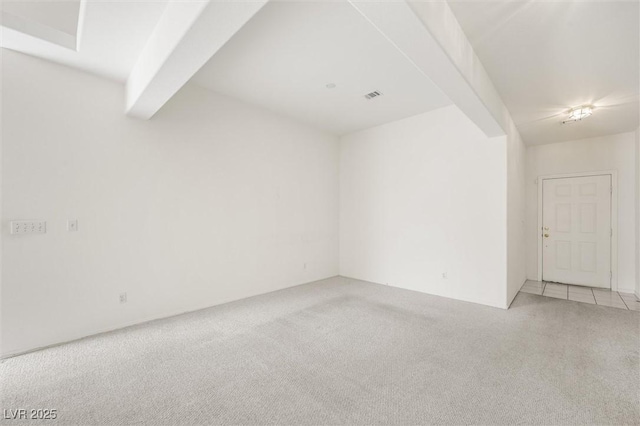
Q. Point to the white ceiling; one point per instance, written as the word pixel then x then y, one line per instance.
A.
pixel 112 34
pixel 61 15
pixel 548 56
pixel 544 57
pixel 284 57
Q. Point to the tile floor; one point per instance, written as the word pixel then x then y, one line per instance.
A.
pixel 576 293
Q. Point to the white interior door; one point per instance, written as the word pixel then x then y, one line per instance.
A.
pixel 576 230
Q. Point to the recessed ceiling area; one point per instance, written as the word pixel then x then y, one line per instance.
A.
pixel 289 52
pixel 109 39
pixel 547 57
pixel 60 15
pixel 56 22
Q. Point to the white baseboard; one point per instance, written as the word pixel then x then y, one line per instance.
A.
pixel 139 321
pixel 489 303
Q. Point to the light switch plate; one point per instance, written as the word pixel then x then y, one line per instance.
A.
pixel 28 227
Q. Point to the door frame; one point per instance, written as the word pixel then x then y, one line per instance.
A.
pixel 614 218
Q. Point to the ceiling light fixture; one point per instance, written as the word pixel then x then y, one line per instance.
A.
pixel 578 113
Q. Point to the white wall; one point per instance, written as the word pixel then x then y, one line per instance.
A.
pixel 638 212
pixel 423 196
pixel 438 17
pixel 1 199
pixel 210 201
pixel 516 212
pixel 614 152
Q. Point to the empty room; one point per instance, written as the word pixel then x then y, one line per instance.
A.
pixel 340 212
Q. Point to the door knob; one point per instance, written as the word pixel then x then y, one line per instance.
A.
pixel 546 235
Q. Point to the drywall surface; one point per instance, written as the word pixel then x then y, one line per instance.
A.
pixel 438 17
pixel 638 212
pixel 423 197
pixel 615 152
pixel 210 201
pixel 516 212
pixel 1 218
pixel 441 22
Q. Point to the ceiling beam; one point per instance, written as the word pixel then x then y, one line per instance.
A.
pixel 429 36
pixel 186 37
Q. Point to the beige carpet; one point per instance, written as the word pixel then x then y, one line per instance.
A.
pixel 341 351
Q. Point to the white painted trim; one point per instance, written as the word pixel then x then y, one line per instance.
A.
pixel 614 219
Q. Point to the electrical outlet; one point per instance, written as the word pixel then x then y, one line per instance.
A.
pixel 72 225
pixel 123 297
pixel 28 227
pixel 444 275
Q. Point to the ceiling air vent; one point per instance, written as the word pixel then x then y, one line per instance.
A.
pixel 372 95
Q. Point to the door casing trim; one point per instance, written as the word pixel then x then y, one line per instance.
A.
pixel 614 218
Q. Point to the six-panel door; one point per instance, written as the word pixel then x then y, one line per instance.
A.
pixel 576 230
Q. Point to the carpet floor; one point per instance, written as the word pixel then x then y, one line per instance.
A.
pixel 342 351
